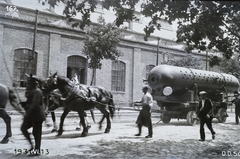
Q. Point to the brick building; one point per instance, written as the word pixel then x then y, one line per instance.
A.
pixel 58 47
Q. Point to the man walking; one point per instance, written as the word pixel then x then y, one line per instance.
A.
pixel 236 101
pixel 144 117
pixel 204 112
pixel 35 113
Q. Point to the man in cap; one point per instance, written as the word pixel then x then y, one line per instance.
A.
pixel 236 101
pixel 144 117
pixel 35 113
pixel 204 112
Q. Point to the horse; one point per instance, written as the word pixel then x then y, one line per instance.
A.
pixel 75 100
pixel 7 94
pixel 53 101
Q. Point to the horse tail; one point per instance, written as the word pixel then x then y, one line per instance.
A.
pixel 12 96
pixel 111 106
pixel 13 100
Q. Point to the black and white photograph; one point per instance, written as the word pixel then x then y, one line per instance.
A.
pixel 119 79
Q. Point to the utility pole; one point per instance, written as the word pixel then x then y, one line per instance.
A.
pixel 34 35
pixel 206 60
pixel 158 39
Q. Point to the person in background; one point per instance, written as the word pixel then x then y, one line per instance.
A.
pixel 204 112
pixel 144 117
pixel 35 113
pixel 236 101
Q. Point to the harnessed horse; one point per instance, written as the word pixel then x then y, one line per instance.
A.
pixel 6 94
pixel 75 100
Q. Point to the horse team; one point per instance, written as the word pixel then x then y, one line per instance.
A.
pixel 74 98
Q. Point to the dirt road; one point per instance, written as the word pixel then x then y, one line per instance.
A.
pixel 175 140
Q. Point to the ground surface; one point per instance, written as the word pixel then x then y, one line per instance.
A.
pixel 174 140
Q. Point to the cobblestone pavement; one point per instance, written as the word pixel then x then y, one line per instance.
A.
pixel 175 140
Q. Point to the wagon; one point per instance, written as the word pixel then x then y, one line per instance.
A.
pixel 176 91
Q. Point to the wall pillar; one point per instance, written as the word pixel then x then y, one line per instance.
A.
pixel 3 68
pixel 137 80
pixel 56 59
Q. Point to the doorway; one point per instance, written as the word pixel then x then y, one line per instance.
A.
pixel 77 65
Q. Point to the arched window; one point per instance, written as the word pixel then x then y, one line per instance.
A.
pixel 25 62
pixel 77 65
pixel 148 69
pixel 118 76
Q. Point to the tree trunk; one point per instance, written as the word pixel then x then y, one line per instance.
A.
pixel 93 80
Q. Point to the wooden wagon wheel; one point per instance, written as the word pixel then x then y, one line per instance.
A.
pixel 165 119
pixel 191 118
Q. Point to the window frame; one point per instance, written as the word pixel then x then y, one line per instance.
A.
pixel 25 62
pixel 118 76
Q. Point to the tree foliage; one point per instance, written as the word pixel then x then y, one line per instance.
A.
pixel 187 61
pixel 101 43
pixel 201 24
pixel 231 66
pixel 214 60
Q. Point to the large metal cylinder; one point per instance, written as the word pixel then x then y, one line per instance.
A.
pixel 167 80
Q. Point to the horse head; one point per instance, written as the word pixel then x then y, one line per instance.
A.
pixel 63 84
pixel 51 83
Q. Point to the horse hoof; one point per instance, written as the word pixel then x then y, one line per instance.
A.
pixel 5 141
pixel 107 131
pixel 84 134
pixel 54 130
pixel 59 133
pixel 78 129
pixel 88 127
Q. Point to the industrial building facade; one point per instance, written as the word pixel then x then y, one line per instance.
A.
pixel 59 48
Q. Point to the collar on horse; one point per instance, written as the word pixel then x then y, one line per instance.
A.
pixel 68 95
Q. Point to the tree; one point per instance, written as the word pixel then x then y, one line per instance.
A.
pixel 231 66
pixel 201 24
pixel 101 43
pixel 187 61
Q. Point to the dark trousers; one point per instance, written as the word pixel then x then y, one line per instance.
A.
pixel 150 130
pixel 237 116
pixel 208 122
pixel 37 131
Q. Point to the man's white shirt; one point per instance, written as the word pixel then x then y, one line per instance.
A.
pixel 147 99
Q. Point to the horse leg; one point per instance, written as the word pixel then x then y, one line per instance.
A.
pixel 107 116
pixel 86 121
pixel 82 120
pixel 78 128
pixel 54 121
pixel 7 120
pixel 100 123
pixel 63 116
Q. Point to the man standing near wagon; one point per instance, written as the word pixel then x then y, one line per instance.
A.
pixel 236 101
pixel 204 112
pixel 144 117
